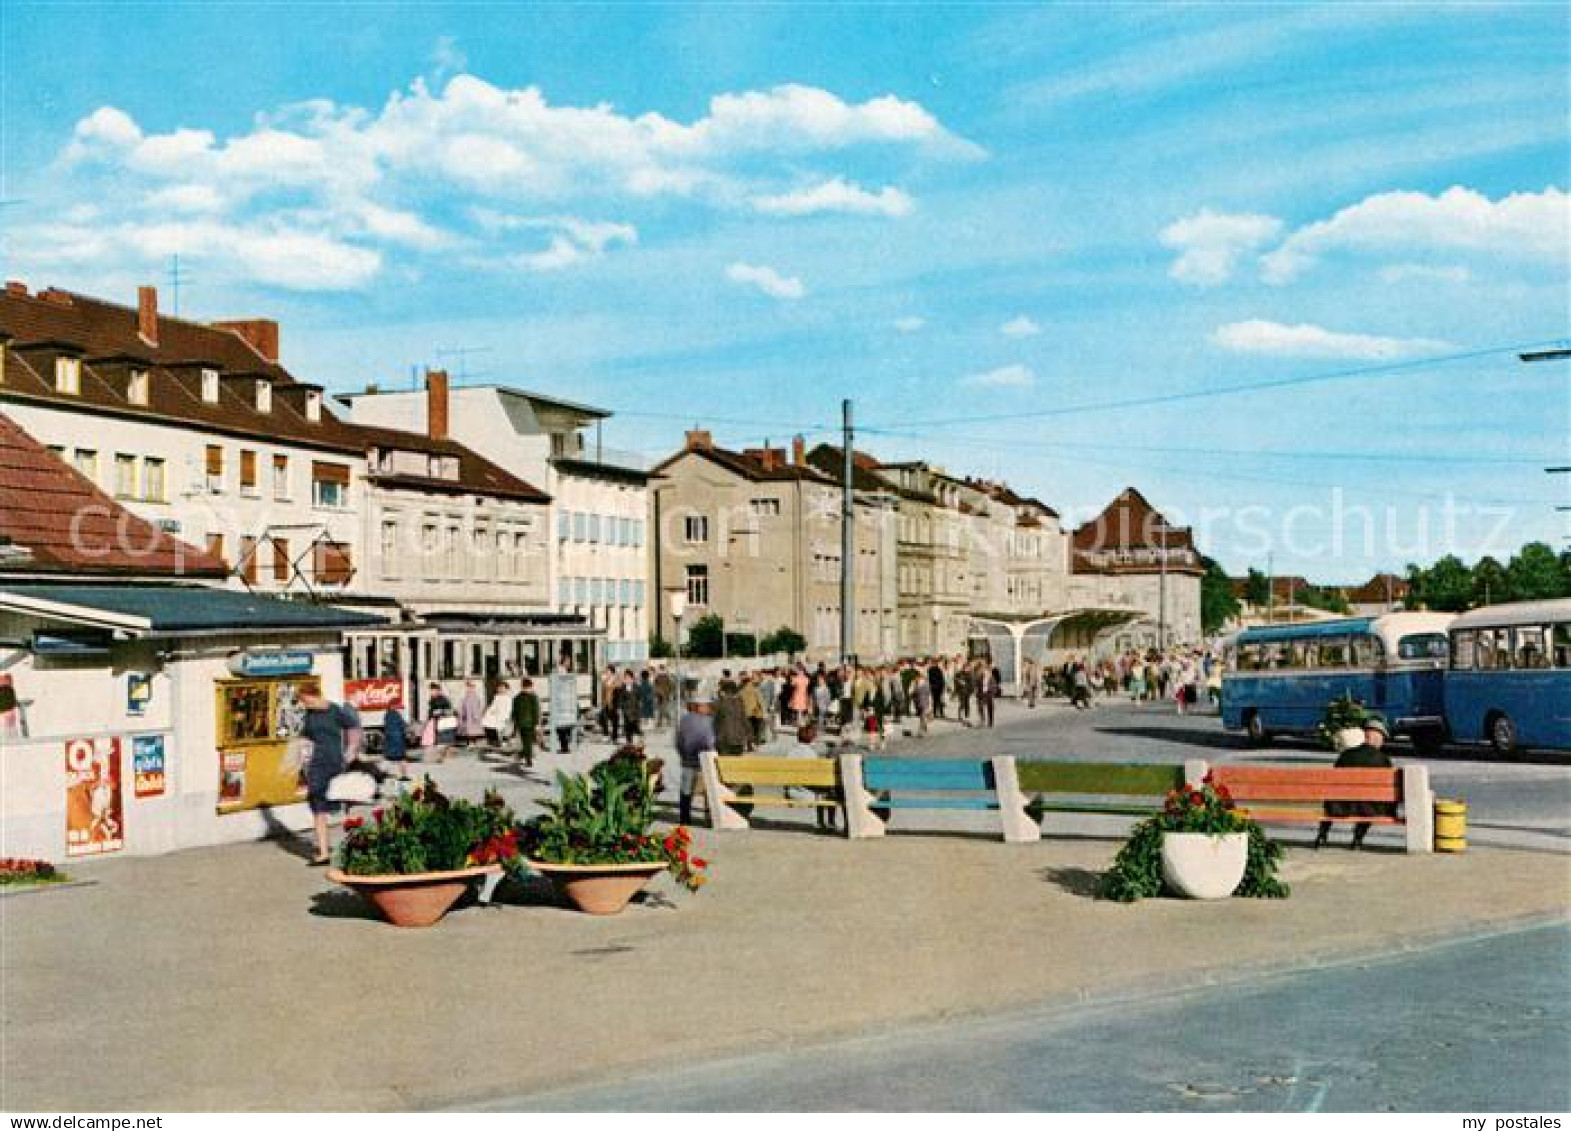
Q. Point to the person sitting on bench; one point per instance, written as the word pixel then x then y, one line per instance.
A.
pixel 1370 754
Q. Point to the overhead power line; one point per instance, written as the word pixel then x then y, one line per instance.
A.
pixel 1244 387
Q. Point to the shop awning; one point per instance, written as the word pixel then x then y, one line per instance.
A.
pixel 175 610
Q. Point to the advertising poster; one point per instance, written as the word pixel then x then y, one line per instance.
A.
pixel 93 822
pixel 231 778
pixel 256 720
pixel 147 765
pixel 138 693
pixel 375 694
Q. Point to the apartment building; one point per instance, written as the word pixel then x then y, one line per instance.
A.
pixel 595 536
pixel 755 538
pixel 1131 558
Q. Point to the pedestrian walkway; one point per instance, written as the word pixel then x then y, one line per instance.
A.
pixel 237 977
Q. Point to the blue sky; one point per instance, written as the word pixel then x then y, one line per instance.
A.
pixel 984 224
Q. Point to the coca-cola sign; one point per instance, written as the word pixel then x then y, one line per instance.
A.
pixel 375 694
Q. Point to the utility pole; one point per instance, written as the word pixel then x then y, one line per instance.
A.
pixel 177 277
pixel 1270 590
pixel 847 542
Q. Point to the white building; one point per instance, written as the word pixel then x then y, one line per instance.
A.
pixel 597 565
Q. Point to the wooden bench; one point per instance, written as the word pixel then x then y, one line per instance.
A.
pixel 1276 794
pixel 725 776
pixel 877 786
pixel 1124 789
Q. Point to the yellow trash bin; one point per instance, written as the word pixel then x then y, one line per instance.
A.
pixel 1450 825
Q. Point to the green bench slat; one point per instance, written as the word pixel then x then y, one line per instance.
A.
pixel 1099 778
pixel 1092 807
pixel 934 774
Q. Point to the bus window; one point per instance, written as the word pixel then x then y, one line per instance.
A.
pixel 1246 658
pixel 390 667
pixel 1294 655
pixel 1368 652
pixel 1332 653
pixel 531 657
pixel 1465 648
pixel 1493 652
pixel 1529 651
pixel 1560 644
pixel 1422 646
pixel 450 660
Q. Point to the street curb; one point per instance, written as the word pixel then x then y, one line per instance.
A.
pixel 1054 1009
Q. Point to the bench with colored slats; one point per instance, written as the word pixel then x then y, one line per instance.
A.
pixel 1273 794
pixel 877 786
pixel 1124 789
pixel 725 776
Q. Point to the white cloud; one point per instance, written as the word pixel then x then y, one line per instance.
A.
pixel 836 195
pixel 1424 273
pixel 766 279
pixel 1210 244
pixel 570 239
pixel 1307 340
pixel 447 58
pixel 1008 377
pixel 1523 225
pixel 1021 327
pixel 388 179
pixel 910 324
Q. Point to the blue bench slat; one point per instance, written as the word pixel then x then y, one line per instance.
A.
pixel 935 774
pixel 934 803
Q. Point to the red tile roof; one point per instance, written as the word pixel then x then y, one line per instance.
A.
pixel 1129 536
pixel 67 525
pixel 105 336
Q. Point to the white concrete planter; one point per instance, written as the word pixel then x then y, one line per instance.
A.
pixel 1347 738
pixel 1202 866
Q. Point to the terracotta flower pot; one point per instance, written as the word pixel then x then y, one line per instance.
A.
pixel 1202 866
pixel 416 900
pixel 598 889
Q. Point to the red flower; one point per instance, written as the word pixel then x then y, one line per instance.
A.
pixel 1197 798
pixel 1210 776
pixel 376 814
pixel 353 822
pixel 700 862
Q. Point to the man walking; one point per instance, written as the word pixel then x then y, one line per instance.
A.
pixel 564 703
pixel 935 686
pixel 695 733
pixel 526 720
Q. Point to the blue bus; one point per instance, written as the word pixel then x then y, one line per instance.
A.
pixel 1509 683
pixel 1279 678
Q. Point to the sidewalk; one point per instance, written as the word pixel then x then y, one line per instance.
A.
pixel 239 978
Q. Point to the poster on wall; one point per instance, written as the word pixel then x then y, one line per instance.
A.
pixel 231 778
pixel 147 765
pixel 93 821
pixel 138 693
pixel 375 694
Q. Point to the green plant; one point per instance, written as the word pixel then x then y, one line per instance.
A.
pixel 783 639
pixel 1342 713
pixel 659 647
pixel 605 817
pixel 424 830
pixel 1137 869
pixel 14 871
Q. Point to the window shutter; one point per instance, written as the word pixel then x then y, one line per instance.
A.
pixel 330 473
pixel 247 468
pixel 215 460
pixel 280 560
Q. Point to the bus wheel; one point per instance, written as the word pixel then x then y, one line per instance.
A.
pixel 1502 735
pixel 1256 729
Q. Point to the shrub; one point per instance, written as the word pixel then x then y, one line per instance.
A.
pixel 426 831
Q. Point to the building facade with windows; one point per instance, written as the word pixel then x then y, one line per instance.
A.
pixel 595 536
pixel 754 537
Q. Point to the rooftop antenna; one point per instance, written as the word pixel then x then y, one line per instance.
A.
pixel 462 354
pixel 177 277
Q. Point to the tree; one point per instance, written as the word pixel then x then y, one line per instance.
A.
pixel 704 638
pixel 1445 587
pixel 1257 589
pixel 1490 583
pixel 1535 574
pixel 741 644
pixel 1318 597
pixel 783 639
pixel 659 647
pixel 1217 603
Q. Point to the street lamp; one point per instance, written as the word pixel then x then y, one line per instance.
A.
pixel 938 617
pixel 677 596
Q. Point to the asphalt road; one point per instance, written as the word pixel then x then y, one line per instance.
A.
pixel 1478 1026
pixel 1523 804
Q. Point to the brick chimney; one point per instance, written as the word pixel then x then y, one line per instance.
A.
pixel 798 450
pixel 147 314
pixel 699 440
pixel 16 287
pixel 261 334
pixel 436 403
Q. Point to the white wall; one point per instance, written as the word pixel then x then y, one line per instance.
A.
pixel 80 700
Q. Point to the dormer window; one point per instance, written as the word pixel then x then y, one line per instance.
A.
pixel 264 396
pixel 313 405
pixel 68 375
pixel 210 386
pixel 136 387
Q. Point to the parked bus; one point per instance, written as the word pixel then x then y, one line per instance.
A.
pixel 1509 682
pixel 1280 678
